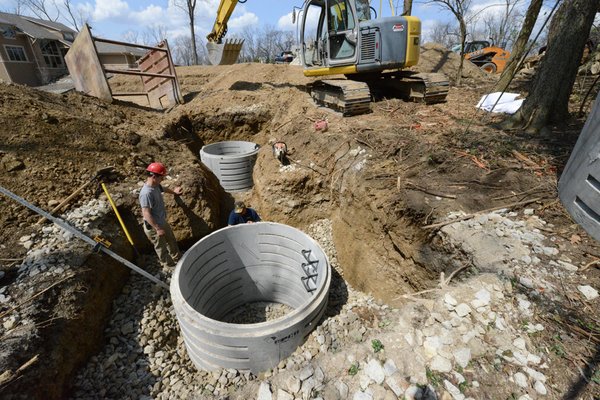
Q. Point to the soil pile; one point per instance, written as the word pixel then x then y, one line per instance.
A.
pixel 437 58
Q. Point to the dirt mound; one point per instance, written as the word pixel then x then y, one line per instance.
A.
pixel 437 58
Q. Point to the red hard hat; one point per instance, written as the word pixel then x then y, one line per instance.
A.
pixel 157 168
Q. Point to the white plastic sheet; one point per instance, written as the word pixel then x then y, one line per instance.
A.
pixel 507 102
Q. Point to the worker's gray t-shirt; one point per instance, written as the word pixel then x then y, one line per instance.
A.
pixel 151 197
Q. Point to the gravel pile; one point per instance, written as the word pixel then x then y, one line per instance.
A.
pixel 52 255
pixel 145 355
pixel 257 312
pixel 435 346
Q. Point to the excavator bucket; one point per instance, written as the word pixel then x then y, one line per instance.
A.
pixel 226 53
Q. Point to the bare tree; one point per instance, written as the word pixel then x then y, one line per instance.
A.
pixel 269 42
pixel 595 33
pixel 75 15
pixel 182 51
pixel 502 27
pixel 154 34
pixel 406 7
pixel 288 39
pixel 519 48
pixel 460 9
pixel 131 37
pixel 250 48
pixel 189 6
pixel 549 95
pixel 43 9
pixel 17 8
pixel 444 34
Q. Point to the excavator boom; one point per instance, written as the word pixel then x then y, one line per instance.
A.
pixel 223 53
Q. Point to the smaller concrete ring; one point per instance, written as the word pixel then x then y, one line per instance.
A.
pixel 232 162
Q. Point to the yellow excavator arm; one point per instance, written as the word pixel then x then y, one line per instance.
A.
pixel 223 53
pixel 224 12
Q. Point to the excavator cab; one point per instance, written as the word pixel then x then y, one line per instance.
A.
pixel 342 37
pixel 328 34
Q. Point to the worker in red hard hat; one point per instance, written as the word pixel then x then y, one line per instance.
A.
pixel 156 227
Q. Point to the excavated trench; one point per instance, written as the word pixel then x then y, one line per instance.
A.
pixel 377 256
pixel 382 260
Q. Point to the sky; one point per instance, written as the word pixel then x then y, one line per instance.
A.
pixel 117 19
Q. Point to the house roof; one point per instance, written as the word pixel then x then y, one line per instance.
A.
pixel 42 29
pixel 110 48
pixel 57 26
pixel 36 28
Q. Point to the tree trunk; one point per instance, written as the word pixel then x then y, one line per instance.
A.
pixel 407 7
pixel 549 96
pixel 191 8
pixel 520 45
pixel 193 33
pixel 463 39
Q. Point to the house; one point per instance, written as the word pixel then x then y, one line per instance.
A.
pixel 119 56
pixel 32 50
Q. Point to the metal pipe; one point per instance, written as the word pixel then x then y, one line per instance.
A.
pixel 126 72
pixel 96 245
pixel 128 44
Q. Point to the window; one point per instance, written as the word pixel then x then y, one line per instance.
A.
pixel 342 44
pixel 340 16
pixel 363 10
pixel 51 53
pixel 16 53
pixel 68 36
pixel 8 32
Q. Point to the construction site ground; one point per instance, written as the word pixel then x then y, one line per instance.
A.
pixel 458 273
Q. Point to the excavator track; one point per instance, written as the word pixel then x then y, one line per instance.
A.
pixel 346 96
pixel 426 88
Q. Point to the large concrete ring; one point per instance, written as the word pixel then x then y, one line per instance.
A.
pixel 232 162
pixel 242 264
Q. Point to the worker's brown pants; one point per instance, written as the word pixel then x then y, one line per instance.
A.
pixel 165 246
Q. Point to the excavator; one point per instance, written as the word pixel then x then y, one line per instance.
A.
pixel 346 37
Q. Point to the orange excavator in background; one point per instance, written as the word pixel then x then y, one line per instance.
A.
pixel 492 59
pixel 347 37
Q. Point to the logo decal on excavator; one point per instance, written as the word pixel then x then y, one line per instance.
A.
pixel 398 28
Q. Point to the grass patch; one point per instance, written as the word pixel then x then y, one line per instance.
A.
pixel 376 345
pixel 353 370
pixel 434 378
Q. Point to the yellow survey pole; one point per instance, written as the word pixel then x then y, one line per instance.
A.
pixel 114 207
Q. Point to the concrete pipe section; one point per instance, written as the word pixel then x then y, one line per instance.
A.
pixel 579 185
pixel 243 264
pixel 232 162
